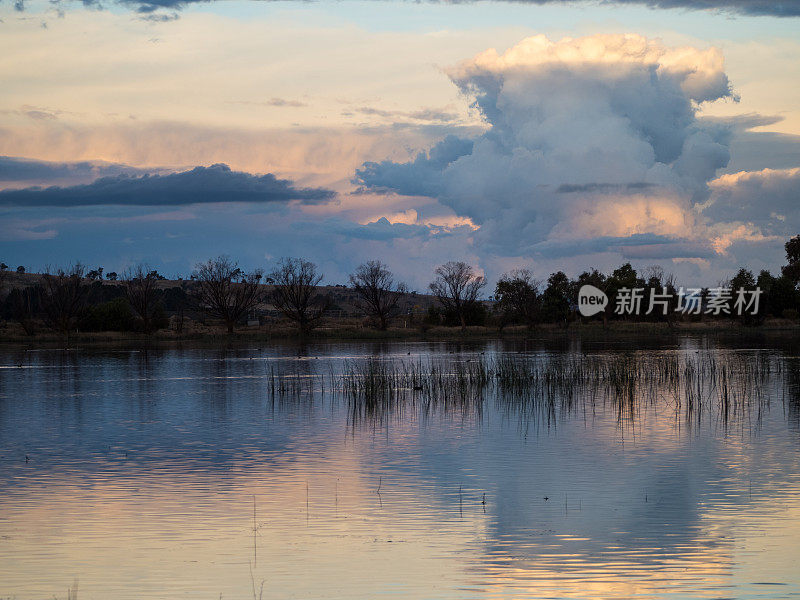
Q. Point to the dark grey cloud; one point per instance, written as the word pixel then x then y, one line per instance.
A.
pixel 640 245
pixel 607 188
pixel 668 250
pixel 787 8
pixel 769 199
pixel 420 177
pixel 217 183
pixel 757 150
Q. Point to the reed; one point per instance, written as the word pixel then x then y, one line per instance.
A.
pixel 733 387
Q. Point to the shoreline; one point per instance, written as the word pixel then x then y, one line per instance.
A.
pixel 218 337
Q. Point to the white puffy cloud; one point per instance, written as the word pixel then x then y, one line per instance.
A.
pixel 588 138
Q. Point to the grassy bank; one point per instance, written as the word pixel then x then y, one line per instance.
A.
pixel 11 334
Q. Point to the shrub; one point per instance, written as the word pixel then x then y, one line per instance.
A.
pixel 114 315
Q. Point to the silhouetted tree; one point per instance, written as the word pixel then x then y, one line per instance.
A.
pixel 3 277
pixel 224 290
pixel 63 298
pixel 295 294
pixel 456 286
pixel 24 304
pixel 177 301
pixel 594 278
pixel 658 283
pixel 792 268
pixel 141 290
pixel 111 276
pixel 20 269
pixel 377 292
pixel 518 298
pixel 744 280
pixel 556 298
pixel 779 296
pixel 622 277
pixel 95 274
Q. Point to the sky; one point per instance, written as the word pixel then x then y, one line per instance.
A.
pixel 548 135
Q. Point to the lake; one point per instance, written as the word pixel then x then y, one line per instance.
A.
pixel 491 469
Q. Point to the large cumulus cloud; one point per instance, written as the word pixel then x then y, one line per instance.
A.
pixel 589 138
pixel 201 185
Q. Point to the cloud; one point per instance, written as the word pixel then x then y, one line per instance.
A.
pixel 160 17
pixel 743 7
pixel 315 156
pixel 17 230
pixel 40 115
pixel 214 184
pixel 743 122
pixel 757 150
pixel 35 113
pixel 425 114
pixel 380 230
pixel 595 137
pixel 15 170
pixel 637 246
pixel 420 177
pixel 280 102
pixel 768 199
pixel 607 188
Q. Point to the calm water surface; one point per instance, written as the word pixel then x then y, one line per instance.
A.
pixel 182 473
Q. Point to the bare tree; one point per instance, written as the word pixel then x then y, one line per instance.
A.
pixel 141 289
pixel 63 297
pixel 295 294
pixel 25 304
pixel 457 286
pixel 379 295
pixel 654 273
pixel 225 291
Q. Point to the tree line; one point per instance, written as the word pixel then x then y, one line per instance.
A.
pixel 71 299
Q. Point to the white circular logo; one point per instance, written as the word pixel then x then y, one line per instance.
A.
pixel 591 300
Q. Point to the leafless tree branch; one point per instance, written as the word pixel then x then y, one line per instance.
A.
pixel 374 284
pixel 456 286
pixel 295 293
pixel 225 291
